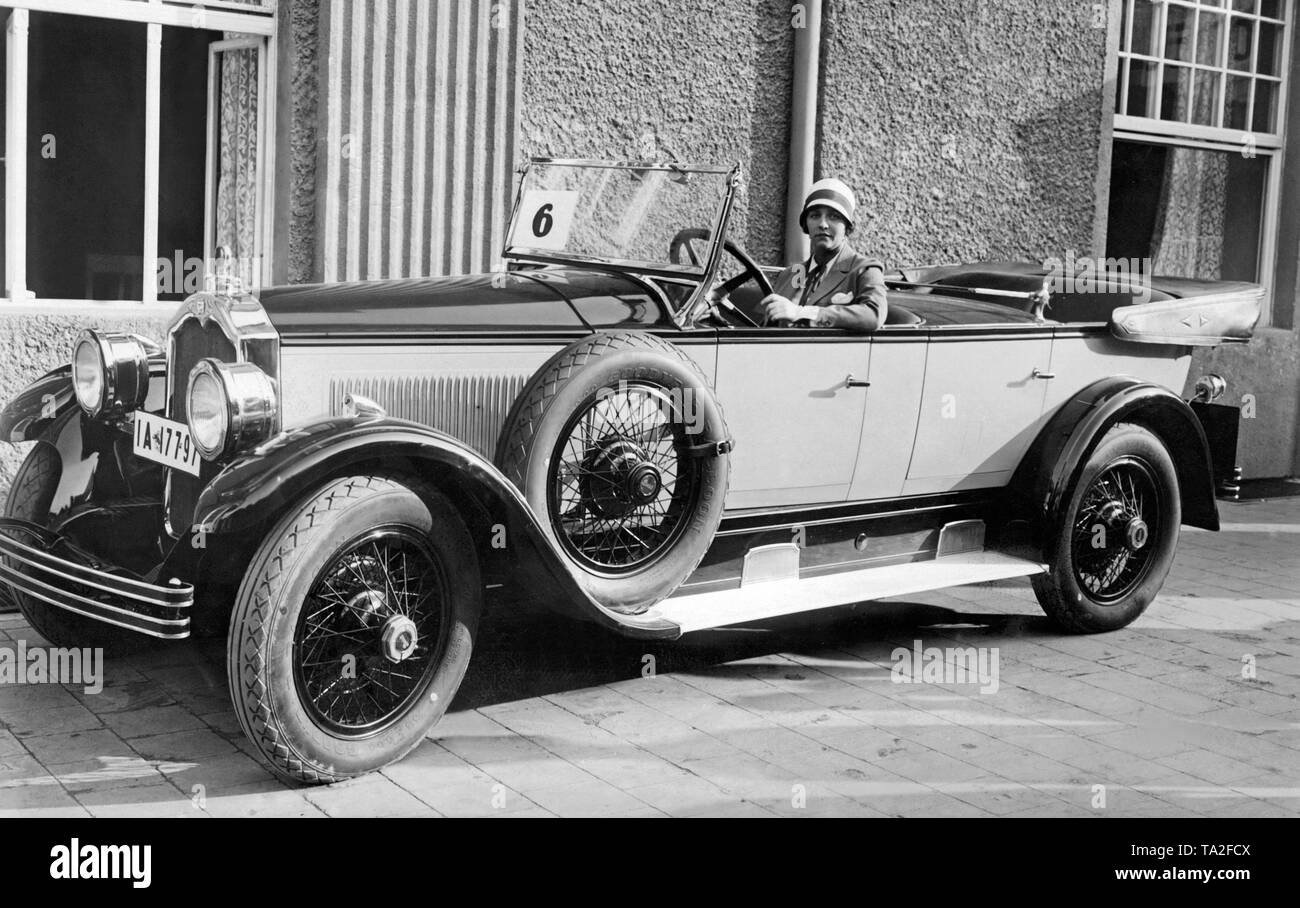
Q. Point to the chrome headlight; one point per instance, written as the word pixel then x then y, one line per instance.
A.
pixel 230 406
pixel 110 373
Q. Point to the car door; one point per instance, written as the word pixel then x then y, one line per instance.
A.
pixel 981 406
pixel 795 418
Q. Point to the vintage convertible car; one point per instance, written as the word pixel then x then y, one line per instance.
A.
pixel 334 475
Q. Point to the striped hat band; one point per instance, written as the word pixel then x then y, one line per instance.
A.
pixel 834 195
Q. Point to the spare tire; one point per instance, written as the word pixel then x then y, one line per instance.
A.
pixel 622 452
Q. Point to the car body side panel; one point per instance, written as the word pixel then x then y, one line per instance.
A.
pixel 463 387
pixel 465 390
pixel 796 424
pixel 981 407
pixel 1081 357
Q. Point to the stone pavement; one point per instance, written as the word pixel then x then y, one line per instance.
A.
pixel 1192 711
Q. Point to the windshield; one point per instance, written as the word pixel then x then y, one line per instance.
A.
pixel 627 215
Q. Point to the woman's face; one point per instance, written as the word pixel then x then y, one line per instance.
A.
pixel 826 229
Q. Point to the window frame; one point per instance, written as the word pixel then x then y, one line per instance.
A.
pixel 252 21
pixel 1152 130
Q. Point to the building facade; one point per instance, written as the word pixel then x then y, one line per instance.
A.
pixel 151 142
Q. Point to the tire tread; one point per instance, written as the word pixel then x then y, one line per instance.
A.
pixel 252 703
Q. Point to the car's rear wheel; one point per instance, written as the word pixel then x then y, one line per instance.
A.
pixel 353 628
pixel 30 498
pixel 1116 542
pixel 621 450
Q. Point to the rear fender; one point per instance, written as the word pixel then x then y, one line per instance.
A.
pixel 1043 482
pixel 254 491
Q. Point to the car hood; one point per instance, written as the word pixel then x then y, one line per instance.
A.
pixel 497 303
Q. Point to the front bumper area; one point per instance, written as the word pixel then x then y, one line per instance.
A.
pixel 30 566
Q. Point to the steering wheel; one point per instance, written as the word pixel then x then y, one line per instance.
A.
pixel 718 295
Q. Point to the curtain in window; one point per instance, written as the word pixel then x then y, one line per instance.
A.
pixel 237 182
pixel 1188 236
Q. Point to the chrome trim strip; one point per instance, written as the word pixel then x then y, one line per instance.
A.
pixel 104 619
pixel 20 580
pixel 164 596
pixel 163 612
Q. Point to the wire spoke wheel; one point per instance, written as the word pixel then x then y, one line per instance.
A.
pixel 371 632
pixel 1117 519
pixel 623 482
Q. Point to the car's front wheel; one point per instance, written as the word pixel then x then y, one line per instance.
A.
pixel 1113 548
pixel 353 628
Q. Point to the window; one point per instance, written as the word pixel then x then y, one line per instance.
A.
pixel 1199 108
pixel 134 146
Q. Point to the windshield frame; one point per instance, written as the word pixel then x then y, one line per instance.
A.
pixel 521 254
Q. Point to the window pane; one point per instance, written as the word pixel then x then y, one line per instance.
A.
pixel 182 158
pixel 1241 38
pixel 1244 6
pixel 1144 28
pixel 1119 86
pixel 1141 80
pixel 85 162
pixel 1192 212
pixel 1209 39
pixel 1174 94
pixel 1272 8
pixel 1234 117
pixel 1178 33
pixel 1206 105
pixel 1265 117
pixel 1270 49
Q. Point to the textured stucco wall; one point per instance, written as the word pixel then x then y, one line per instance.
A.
pixel 703 80
pixel 35 339
pixel 970 129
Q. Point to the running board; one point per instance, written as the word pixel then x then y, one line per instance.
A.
pixel 771 599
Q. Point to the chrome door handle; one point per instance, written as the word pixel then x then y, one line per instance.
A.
pixel 851 382
pixel 1044 375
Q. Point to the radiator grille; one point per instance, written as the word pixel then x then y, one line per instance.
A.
pixel 471 407
pixel 191 342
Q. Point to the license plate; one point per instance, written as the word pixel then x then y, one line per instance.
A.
pixel 165 441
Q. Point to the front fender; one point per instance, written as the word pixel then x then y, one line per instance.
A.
pixel 258 488
pixel 36 408
pixel 32 414
pixel 1047 474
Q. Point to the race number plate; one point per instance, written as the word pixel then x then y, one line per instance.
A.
pixel 166 442
pixel 544 219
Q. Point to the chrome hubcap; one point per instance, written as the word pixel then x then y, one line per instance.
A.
pixel 1136 533
pixel 398 638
